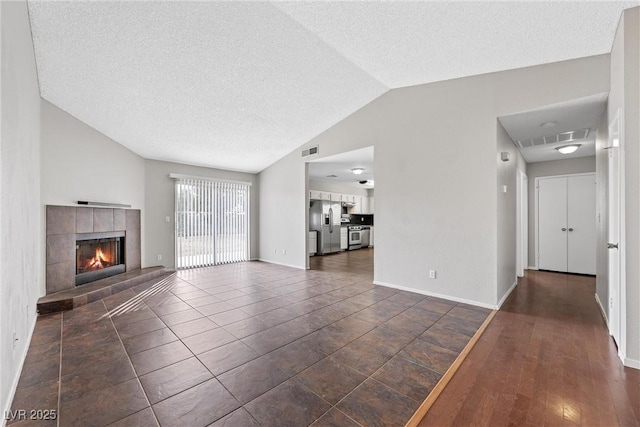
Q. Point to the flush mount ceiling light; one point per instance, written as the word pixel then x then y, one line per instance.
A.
pixel 357 171
pixel 332 176
pixel 548 125
pixel 568 149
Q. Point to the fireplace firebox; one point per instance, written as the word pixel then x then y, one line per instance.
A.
pixel 99 255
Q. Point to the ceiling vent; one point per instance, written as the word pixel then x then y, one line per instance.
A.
pixel 310 151
pixel 574 135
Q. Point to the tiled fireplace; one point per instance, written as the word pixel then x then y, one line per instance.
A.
pixel 87 244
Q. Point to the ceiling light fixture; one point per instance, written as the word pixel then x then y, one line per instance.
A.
pixel 357 171
pixel 548 125
pixel 568 149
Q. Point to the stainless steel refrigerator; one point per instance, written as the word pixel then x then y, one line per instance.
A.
pixel 324 217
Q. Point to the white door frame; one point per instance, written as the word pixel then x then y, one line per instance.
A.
pixel 536 207
pixel 522 224
pixel 618 321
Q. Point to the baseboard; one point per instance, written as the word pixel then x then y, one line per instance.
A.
pixel 281 264
pixel 604 313
pixel 631 363
pixel 14 385
pixel 433 294
pixel 506 295
pixel 532 268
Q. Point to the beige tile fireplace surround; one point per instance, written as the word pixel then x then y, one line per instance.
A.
pixel 65 222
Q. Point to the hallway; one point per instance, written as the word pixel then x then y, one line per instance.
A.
pixel 545 359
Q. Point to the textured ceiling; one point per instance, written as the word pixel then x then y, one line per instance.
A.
pixel 237 85
pixel 577 114
pixel 340 165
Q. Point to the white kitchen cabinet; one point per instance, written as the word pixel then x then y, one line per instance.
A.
pixel 371 204
pixel 344 238
pixel 371 237
pixel 319 195
pixel 358 204
pixel 335 197
pixel 313 242
pixel 365 205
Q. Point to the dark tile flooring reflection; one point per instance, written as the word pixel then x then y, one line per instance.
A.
pixel 249 344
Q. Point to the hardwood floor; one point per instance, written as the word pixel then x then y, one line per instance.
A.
pixel 545 360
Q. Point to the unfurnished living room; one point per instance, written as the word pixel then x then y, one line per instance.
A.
pixel 320 213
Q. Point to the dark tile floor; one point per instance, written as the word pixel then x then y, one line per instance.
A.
pixel 249 344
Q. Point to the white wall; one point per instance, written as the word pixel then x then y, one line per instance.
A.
pixel 21 279
pixel 602 213
pixel 337 188
pixel 550 168
pixel 160 203
pixel 506 226
pixel 624 96
pixel 283 209
pixel 436 201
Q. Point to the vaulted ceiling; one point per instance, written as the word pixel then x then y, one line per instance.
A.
pixel 238 85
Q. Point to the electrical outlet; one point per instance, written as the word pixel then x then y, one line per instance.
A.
pixel 610 302
pixel 159 257
pixel 284 252
pixel 275 251
pixel 15 339
pixel 167 218
pixel 432 274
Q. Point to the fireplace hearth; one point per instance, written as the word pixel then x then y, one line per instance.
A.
pixel 99 255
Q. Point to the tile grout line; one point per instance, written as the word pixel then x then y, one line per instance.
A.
pixel 134 371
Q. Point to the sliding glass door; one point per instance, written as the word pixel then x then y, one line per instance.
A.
pixel 212 222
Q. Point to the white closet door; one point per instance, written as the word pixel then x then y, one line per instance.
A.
pixel 581 224
pixel 552 219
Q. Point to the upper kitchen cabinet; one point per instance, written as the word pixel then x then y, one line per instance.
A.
pixel 319 195
pixel 356 204
pixel 357 208
pixel 364 205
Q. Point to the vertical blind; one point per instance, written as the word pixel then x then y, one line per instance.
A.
pixel 212 222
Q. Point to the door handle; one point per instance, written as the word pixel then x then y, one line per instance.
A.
pixel 330 220
pixel 563 229
pixel 612 246
pixel 571 229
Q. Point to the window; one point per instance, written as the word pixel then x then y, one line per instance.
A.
pixel 212 222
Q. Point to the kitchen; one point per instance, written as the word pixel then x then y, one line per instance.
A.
pixel 341 203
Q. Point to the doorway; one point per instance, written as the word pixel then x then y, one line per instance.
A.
pixel 340 206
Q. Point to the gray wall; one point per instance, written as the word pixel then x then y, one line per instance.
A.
pixel 21 269
pixel 160 203
pixel 435 150
pixel 624 96
pixel 550 168
pixel 80 163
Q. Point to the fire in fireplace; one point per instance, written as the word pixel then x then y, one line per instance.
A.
pixel 99 255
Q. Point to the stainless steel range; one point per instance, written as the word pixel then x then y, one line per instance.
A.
pixel 355 237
